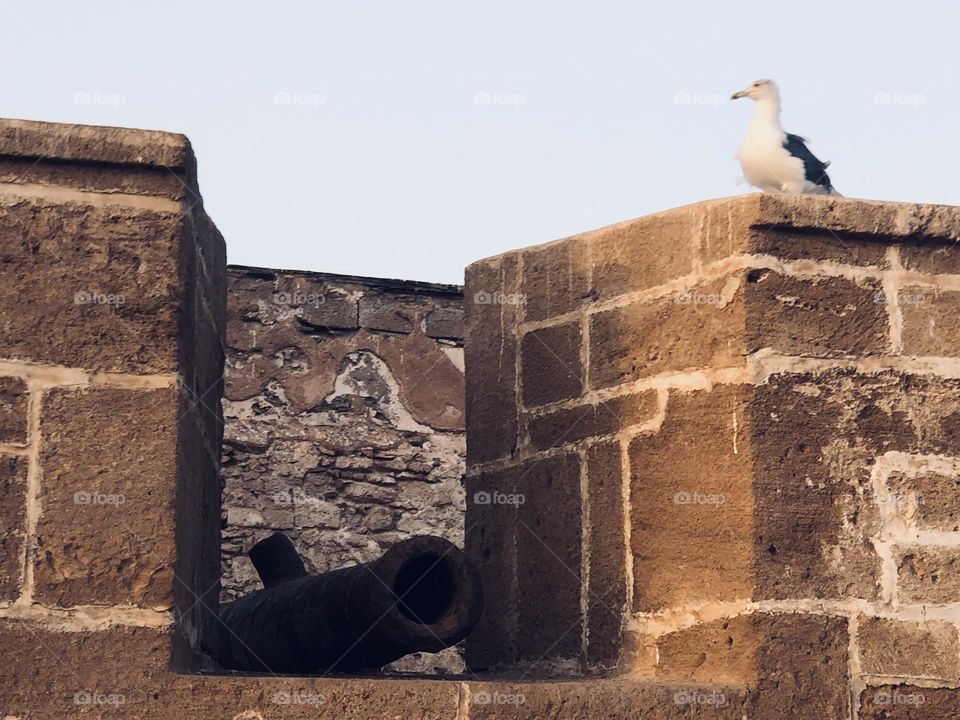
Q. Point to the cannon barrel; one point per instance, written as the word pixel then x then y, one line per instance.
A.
pixel 421 595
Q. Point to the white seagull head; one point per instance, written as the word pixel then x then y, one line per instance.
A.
pixel 758 90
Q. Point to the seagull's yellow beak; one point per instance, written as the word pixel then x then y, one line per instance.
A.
pixel 738 94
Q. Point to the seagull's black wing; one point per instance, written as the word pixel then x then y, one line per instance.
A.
pixel 814 170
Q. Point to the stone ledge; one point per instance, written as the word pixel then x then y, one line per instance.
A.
pixel 118 162
pixel 735 216
pixel 96 677
pixel 85 143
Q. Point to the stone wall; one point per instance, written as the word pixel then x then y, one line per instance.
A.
pixel 723 446
pixel 344 420
pixel 713 453
pixel 111 319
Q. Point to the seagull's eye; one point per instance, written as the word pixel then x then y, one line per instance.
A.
pixel 756 84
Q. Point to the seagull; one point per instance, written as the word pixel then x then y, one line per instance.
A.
pixel 774 160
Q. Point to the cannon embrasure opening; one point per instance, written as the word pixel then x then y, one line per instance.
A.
pixel 425 588
pixel 422 595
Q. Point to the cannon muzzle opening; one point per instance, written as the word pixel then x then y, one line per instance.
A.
pixel 421 595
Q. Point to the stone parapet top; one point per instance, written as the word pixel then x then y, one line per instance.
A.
pixel 882 220
pixel 85 143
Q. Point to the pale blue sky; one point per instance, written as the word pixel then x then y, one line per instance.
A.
pixel 405 138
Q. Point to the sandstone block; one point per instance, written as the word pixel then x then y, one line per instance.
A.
pixel 551 368
pixel 13 504
pixel 675 495
pixel 909 702
pixel 568 425
pixel 931 321
pixel 928 575
pixel 105 536
pixel 13 411
pixel 695 329
pixel 548 560
pixel 555 278
pixel 906 649
pixel 490 353
pixel 82 277
pixel 607 581
pixel 794 665
pixel 814 317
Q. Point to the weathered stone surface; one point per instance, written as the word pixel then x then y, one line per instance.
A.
pixel 611 699
pixel 607 582
pixel 124 146
pixel 100 680
pixel 529 560
pixel 551 367
pixel 338 313
pixel 347 440
pixel 908 649
pixel 555 278
pixel 795 665
pixel 884 220
pixel 676 496
pixel 548 560
pixel 931 321
pixel 13 411
pixel 305 364
pixel 444 322
pixel 642 253
pixel 379 313
pixel 772 475
pixel 93 177
pixel 815 438
pixel 815 317
pixel 102 283
pixel 931 258
pixel 788 244
pixel 929 500
pixel 106 532
pixel 197 512
pixel 490 542
pixel 928 575
pixel 568 425
pixel 909 702
pixel 695 329
pixel 13 504
pixel 490 351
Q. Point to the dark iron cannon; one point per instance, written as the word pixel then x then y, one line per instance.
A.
pixel 421 595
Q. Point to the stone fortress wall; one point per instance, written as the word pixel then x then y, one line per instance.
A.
pixel 711 469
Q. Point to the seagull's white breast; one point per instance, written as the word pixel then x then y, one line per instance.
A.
pixel 767 164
